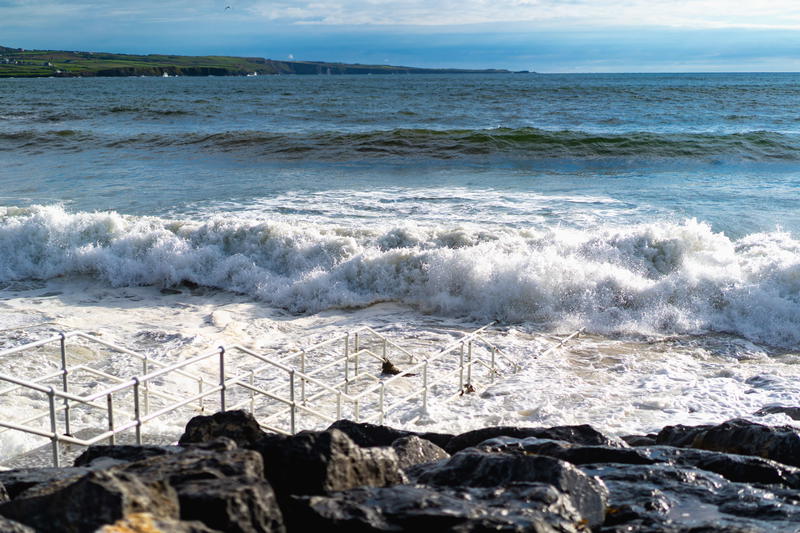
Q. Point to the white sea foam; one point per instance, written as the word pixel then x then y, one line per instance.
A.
pixel 648 278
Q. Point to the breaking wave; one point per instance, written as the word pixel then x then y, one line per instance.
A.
pixel 648 278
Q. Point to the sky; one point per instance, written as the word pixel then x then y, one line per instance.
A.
pixel 536 35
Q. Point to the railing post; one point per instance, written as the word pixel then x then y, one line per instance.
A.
pixel 346 363
pixel 65 381
pixel 461 368
pixel 303 381
pixel 357 412
pixel 136 411
pixel 293 411
pixel 222 378
pixel 252 394
pixel 383 392
pixel 51 396
pixel 145 370
pixel 494 350
pixel 425 385
pixel 355 356
pixel 384 349
pixel 469 364
pixel 339 405
pixel 110 404
pixel 202 402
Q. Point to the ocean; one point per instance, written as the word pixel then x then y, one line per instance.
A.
pixel 660 212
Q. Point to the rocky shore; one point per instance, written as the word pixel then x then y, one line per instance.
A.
pixel 226 474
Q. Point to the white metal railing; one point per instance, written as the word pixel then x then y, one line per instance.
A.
pixel 319 383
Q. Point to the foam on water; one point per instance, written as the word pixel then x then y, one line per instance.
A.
pixel 649 278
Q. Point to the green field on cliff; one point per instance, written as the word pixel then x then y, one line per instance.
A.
pixel 16 62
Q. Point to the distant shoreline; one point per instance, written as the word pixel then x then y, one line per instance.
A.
pixel 22 63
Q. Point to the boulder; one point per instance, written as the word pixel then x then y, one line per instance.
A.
pixel 640 440
pixel 369 435
pixel 147 523
pixel 582 434
pixel 21 479
pixel 780 443
pixel 240 426
pixel 95 499
pixel 117 454
pixel 317 462
pixel 516 507
pixel 413 450
pixel 566 451
pixel 791 412
pixel 478 468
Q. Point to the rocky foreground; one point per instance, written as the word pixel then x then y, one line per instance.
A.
pixel 226 474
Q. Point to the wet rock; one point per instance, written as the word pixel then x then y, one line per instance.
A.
pixel 665 497
pixel 19 480
pixel 118 454
pixel 517 507
pixel 369 435
pixel 10 526
pixel 779 443
pixel 170 291
pixel 413 450
pixel 240 426
pixel 95 499
pixel 640 440
pixel 583 434
pixel 567 451
pixel 478 468
pixel 791 412
pixel 317 462
pixel 147 523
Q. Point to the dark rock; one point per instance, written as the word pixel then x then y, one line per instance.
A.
pixel 518 507
pixel 567 451
pixel 93 500
pixel 19 480
pixel 237 505
pixel 413 450
pixel 791 412
pixel 237 425
pixel 170 291
pixel 225 489
pixel 147 523
pixel 640 440
pixel 317 462
pixel 117 454
pixel 781 443
pixel 583 434
pixel 369 435
pixel 477 468
pixel 388 368
pixel 10 526
pixel 3 494
pixel 665 497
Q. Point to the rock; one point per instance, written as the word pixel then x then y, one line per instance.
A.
pixel 236 505
pixel 224 488
pixel 791 412
pixel 19 480
pixel 3 494
pixel 567 451
pixel 477 468
pixel 517 507
pixel 781 443
pixel 10 526
pixel 413 450
pixel 369 435
pixel 118 454
pixel 665 497
pixel 237 425
pixel 640 440
pixel 317 462
pixel 583 434
pixel 147 523
pixel 95 499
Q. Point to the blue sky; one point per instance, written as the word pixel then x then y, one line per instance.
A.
pixel 541 35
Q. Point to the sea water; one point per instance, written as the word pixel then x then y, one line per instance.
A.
pixel 658 212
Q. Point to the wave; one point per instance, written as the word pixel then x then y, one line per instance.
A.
pixel 647 278
pixel 521 143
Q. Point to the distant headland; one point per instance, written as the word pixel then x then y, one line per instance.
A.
pixel 22 63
